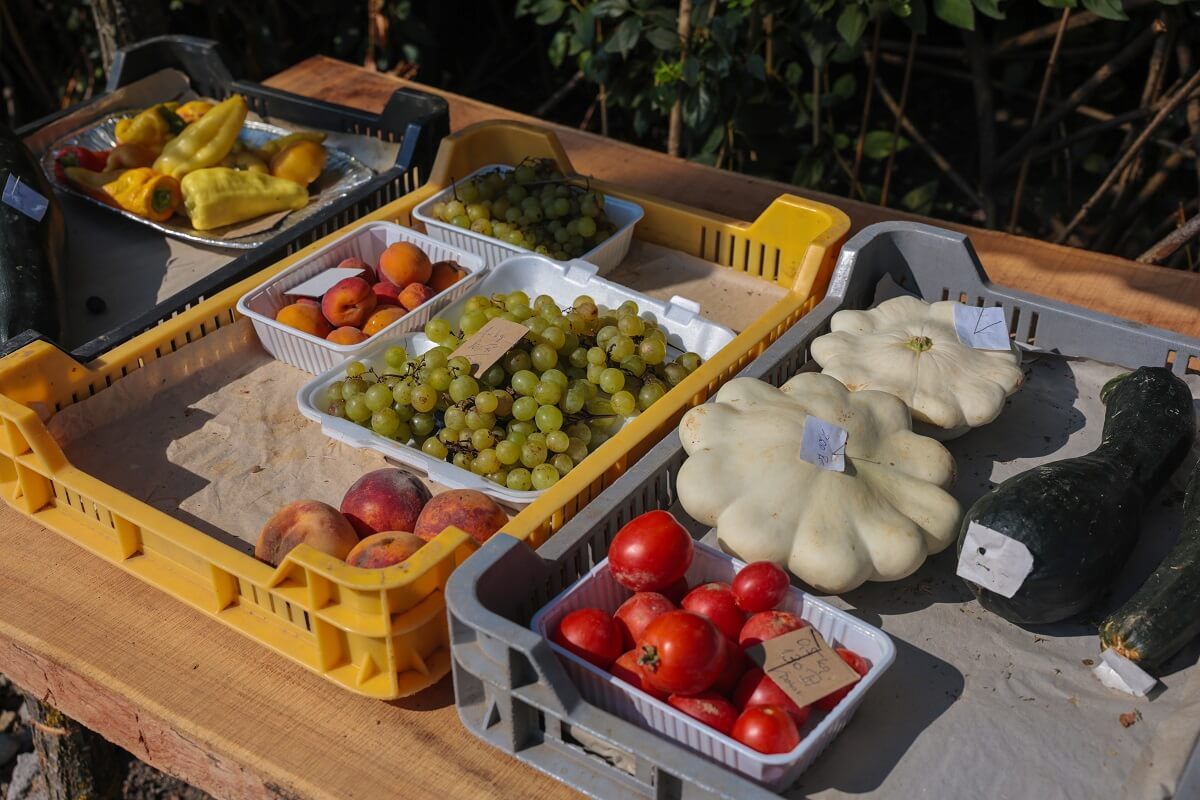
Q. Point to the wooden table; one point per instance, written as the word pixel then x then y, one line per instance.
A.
pixel 239 721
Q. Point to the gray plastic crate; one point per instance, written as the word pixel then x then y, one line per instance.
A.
pixel 511 690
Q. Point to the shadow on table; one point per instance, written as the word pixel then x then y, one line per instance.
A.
pixel 438 696
pixel 917 690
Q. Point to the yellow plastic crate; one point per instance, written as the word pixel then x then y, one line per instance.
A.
pixel 380 633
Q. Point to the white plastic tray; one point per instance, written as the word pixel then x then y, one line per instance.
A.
pixel 606 256
pixel 564 281
pixel 314 354
pixel 598 589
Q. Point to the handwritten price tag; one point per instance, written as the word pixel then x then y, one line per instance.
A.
pixel 824 444
pixel 981 328
pixel 803 664
pixel 994 561
pixel 24 198
pixel 490 343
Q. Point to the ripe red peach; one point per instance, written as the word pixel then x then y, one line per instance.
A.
pixel 416 294
pixel 386 293
pixel 445 274
pixel 385 499
pixel 472 511
pixel 384 549
pixel 368 274
pixel 305 521
pixel 348 303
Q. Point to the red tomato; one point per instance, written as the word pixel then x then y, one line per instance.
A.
pixel 681 653
pixel 676 591
pixel 858 664
pixel 736 664
pixel 651 552
pixel 760 586
pixel 708 707
pixel 756 689
pixel 768 729
pixel 715 601
pixel 639 611
pixel 626 668
pixel 590 634
pixel 767 625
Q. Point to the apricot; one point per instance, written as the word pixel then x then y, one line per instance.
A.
pixel 382 318
pixel 350 301
pixel 403 263
pixel 305 317
pixel 386 294
pixel 474 512
pixel 368 274
pixel 384 549
pixel 347 334
pixel 445 274
pixel 415 294
pixel 310 522
pixel 385 499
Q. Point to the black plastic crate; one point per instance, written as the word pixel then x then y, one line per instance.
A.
pixel 415 119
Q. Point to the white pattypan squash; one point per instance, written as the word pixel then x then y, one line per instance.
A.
pixel 877 521
pixel 908 348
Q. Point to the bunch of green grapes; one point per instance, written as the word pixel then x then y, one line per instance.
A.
pixel 532 207
pixel 563 390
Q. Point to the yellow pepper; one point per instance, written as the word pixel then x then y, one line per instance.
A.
pixel 152 127
pixel 206 141
pixel 301 161
pixel 268 150
pixel 130 156
pixel 140 191
pixel 220 196
pixel 193 110
pixel 244 159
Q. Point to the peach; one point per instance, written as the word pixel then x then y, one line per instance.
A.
pixel 384 549
pixel 384 500
pixel 305 317
pixel 404 263
pixel 308 301
pixel 347 334
pixel 349 302
pixel 415 294
pixel 386 293
pixel 382 318
pixel 368 274
pixel 310 522
pixel 445 274
pixel 474 512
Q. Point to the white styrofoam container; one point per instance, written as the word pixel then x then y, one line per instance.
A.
pixel 599 589
pixel 367 242
pixel 564 281
pixel 606 255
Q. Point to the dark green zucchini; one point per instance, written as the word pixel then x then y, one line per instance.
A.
pixel 1164 615
pixel 30 251
pixel 1080 517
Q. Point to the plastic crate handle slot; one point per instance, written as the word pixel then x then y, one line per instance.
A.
pixel 579 272
pixel 681 310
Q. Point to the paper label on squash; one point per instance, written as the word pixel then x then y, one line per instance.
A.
pixel 1117 672
pixel 994 561
pixel 490 343
pixel 824 444
pixel 24 198
pixel 322 282
pixel 981 328
pixel 803 664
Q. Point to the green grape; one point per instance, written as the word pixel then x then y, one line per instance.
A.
pixel 573 400
pixel 464 437
pixel 599 407
pixel 579 357
pixel 570 343
pixel 536 326
pixel 476 302
pixel 563 463
pixel 385 422
pixel 471 322
pixel 577 450
pixel 504 404
pixel 336 407
pixel 462 461
pixel 462 387
pixel 548 418
pixel 455 418
pixel 533 453
pixel 517 437
pixel 461 221
pixel 518 298
pixel 624 403
pixel 633 385
pixel 422 424
pixel 378 396
pixel 596 356
pixel 405 413
pixel 467 192
pixel 440 378
pixel 594 371
pixel 459 365
pixel 583 299
pixel 353 386
pixel 611 380
pixel 478 211
pixel 424 397
pixel 555 337
pixel 435 358
pixel 627 307
pixel 357 409
pixel 483 226
pixel 434 447
pixel 652 351
pixel 487 461
pixel 447 436
pixel 543 476
pixel 586 308
pixel 556 376
pixel 519 480
pixel 634 364
pixel 481 440
pixel 537 437
pixel 355 368
pixel 524 382
pixel 439 209
pixel 631 326
pixel 334 391
pixel 543 357
pixel 437 329
pixel 652 392
pixel 674 373
pixel 390 380
pixel 508 451
pixel 524 408
pixel 494 377
pixel 580 431
pixel 606 334
pixel 558 441
pixel 521 312
pixel 561 207
pixel 395 356
pixel 547 392
pixel 621 348
pixel 486 401
pixel 499 476
pixel 689 361
pixel 479 420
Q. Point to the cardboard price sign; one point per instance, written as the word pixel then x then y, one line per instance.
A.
pixel 490 343
pixel 803 664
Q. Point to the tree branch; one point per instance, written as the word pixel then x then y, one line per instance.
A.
pixel 985 122
pixel 872 61
pixel 1166 247
pixel 683 27
pixel 898 111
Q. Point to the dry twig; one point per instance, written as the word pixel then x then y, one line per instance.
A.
pixel 1165 248
pixel 675 120
pixel 872 60
pixel 898 111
